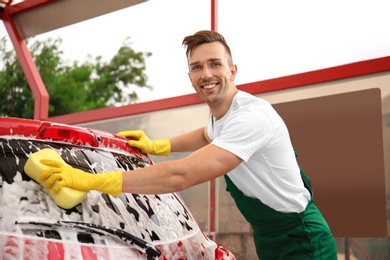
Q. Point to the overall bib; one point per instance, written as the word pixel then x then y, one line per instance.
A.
pixel 278 235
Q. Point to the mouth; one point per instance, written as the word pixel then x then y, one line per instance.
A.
pixel 209 86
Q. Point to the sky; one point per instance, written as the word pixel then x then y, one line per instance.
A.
pixel 268 39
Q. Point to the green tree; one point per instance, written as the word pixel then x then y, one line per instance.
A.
pixel 72 88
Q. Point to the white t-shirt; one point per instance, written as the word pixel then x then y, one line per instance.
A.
pixel 253 131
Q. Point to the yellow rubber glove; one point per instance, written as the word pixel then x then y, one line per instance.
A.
pixel 138 139
pixel 63 175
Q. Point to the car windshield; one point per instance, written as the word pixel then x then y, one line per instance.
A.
pixel 149 217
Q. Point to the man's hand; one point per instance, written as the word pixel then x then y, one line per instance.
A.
pixel 138 139
pixel 63 175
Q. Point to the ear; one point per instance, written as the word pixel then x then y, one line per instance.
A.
pixel 233 71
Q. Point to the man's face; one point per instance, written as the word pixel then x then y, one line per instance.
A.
pixel 210 73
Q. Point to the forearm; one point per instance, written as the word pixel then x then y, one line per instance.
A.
pixel 190 141
pixel 164 177
pixel 203 165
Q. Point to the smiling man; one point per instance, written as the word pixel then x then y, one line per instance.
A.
pixel 246 141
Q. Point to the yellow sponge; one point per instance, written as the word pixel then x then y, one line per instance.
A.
pixel 67 197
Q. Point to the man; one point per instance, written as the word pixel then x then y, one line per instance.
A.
pixel 246 141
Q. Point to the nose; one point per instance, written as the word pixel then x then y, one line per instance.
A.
pixel 206 73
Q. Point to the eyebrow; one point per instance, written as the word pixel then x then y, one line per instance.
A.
pixel 209 60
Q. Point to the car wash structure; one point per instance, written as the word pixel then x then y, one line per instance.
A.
pixel 339 117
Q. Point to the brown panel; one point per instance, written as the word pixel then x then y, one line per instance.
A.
pixel 62 13
pixel 340 145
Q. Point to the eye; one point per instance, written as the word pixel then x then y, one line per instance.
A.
pixel 195 67
pixel 215 64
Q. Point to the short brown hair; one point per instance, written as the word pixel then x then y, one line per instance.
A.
pixel 205 36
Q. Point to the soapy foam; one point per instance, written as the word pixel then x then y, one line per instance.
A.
pixel 161 219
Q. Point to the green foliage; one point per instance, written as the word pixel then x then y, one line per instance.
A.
pixel 72 88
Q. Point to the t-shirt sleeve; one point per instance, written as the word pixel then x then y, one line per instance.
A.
pixel 210 128
pixel 245 133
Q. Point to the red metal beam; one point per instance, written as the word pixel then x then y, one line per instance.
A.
pixel 212 183
pixel 298 80
pixel 318 76
pixel 6 3
pixel 26 5
pixel 214 15
pixel 41 97
pixel 134 109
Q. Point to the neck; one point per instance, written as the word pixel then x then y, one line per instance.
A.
pixel 219 110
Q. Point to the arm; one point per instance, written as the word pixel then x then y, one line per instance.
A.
pixel 190 141
pixel 203 165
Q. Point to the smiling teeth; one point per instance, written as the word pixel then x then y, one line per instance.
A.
pixel 208 86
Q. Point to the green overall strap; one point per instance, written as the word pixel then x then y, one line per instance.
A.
pixel 306 180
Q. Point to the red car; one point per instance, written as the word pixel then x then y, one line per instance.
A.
pixel 130 226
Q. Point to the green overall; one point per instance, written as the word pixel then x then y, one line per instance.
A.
pixel 278 235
